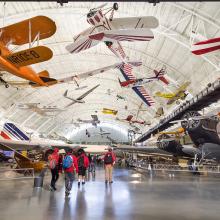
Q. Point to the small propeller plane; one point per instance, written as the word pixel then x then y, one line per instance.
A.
pixel 44 110
pixel 130 120
pixel 126 70
pixel 174 97
pixel 39 27
pixel 109 111
pixel 80 98
pixel 159 75
pixel 112 31
pixel 206 46
pixel 94 121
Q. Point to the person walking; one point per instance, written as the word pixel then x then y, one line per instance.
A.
pixel 109 161
pixel 69 165
pixel 83 164
pixel 53 165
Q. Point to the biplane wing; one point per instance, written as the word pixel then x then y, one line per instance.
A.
pixel 126 70
pixel 30 56
pixel 135 22
pixel 92 40
pixel 25 31
pixel 183 87
pixel 81 44
pixel 143 34
pixel 165 95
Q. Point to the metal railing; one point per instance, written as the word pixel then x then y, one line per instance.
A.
pixel 23 173
pixel 178 168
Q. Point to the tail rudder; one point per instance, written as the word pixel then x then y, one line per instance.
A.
pixel 65 93
pixel 12 132
pixel 163 79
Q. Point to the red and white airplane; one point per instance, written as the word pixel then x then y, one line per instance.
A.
pixel 132 121
pixel 112 31
pixel 159 75
pixel 206 46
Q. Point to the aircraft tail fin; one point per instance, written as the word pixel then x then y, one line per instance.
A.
pixel 44 73
pixel 163 79
pixel 65 93
pixel 12 132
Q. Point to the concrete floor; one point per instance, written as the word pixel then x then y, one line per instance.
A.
pixel 132 196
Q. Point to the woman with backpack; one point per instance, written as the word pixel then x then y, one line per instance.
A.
pixel 83 164
pixel 69 165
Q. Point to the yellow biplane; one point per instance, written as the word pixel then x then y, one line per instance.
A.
pixel 180 93
pixel 27 31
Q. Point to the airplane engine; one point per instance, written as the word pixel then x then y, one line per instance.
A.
pixel 166 143
pixel 203 130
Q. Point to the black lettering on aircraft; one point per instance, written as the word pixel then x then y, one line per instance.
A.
pixel 34 54
pixel 22 57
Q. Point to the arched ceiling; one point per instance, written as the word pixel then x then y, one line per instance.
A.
pixel 179 25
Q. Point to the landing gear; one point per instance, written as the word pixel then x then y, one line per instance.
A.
pixel 108 43
pixel 4 82
pixel 115 6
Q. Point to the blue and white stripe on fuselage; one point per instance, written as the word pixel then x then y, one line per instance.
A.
pixel 11 131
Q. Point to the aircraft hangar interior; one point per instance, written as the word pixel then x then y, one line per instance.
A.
pixel 109 110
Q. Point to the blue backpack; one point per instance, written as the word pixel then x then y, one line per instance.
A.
pixel 67 162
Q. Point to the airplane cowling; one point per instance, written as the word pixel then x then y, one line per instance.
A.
pixel 201 131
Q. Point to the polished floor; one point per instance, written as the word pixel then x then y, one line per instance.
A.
pixel 131 196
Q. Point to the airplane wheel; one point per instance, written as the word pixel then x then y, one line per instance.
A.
pixel 115 6
pixel 6 85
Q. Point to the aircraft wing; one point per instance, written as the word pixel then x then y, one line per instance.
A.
pixel 87 74
pixel 30 56
pixel 149 150
pixel 123 35
pixel 135 22
pixel 88 92
pixel 126 70
pixel 20 32
pixel 183 87
pixel 82 44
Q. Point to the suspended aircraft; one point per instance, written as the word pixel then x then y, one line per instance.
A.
pixel 132 121
pixel 76 78
pixel 180 93
pixel 80 98
pixel 206 46
pixel 112 30
pixel 44 110
pixel 126 70
pixel 94 121
pixel 27 31
pixel 159 75
pixel 109 111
